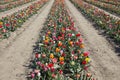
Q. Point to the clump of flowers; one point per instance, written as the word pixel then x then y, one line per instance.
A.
pixel 104 21
pixel 12 22
pixel 59 54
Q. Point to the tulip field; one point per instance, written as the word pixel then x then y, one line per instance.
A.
pixel 59 40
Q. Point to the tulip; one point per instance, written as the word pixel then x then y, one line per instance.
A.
pixel 51 56
pixel 86 54
pixel 88 74
pixel 36 71
pixel 50 65
pixel 60 44
pixel 53 75
pixel 87 60
pixel 38 74
pixel 52 69
pixel 61 62
pixel 38 63
pixel 37 55
pixel 32 75
pixel 61 58
pixel 54 60
pixel 84 62
pixel 43 55
pixel 4 30
pixel 60 71
pixel 82 46
pixel 77 75
pixel 72 63
pixel 78 35
pixel 57 50
pixel 1 26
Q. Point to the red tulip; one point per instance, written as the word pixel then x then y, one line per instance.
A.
pixel 7 25
pixel 50 65
pixel 63 54
pixel 77 35
pixel 1 26
pixel 86 54
pixel 52 69
pixel 37 55
pixel 60 71
pixel 84 62
pixel 61 62
pixel 77 43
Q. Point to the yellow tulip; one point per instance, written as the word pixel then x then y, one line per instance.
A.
pixel 87 60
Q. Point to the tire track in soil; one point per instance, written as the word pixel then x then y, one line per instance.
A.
pixel 19 52
pixel 105 63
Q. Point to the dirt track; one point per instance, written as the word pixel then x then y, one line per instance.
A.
pixel 105 63
pixel 13 58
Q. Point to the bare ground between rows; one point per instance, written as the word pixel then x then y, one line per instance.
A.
pixel 14 59
pixel 105 63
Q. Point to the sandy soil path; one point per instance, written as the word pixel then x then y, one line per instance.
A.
pixel 105 62
pixel 13 58
pixel 11 11
pixel 115 16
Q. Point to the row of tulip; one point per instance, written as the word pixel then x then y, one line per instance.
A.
pixel 59 52
pixel 110 25
pixel 6 1
pixel 11 23
pixel 13 4
pixel 113 2
pixel 108 7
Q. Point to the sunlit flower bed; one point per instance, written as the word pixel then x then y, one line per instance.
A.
pixel 59 52
pixel 13 4
pixel 14 21
pixel 108 7
pixel 110 25
pixel 6 1
pixel 114 2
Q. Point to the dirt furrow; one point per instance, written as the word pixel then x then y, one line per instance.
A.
pixel 13 59
pixel 11 11
pixel 105 62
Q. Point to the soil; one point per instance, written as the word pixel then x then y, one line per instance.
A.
pixel 105 63
pixel 14 57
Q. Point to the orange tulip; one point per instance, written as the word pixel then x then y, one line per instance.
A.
pixel 61 58
pixel 57 50
pixel 46 41
pixel 51 56
pixel 60 44
pixel 71 43
pixel 49 32
pixel 82 45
